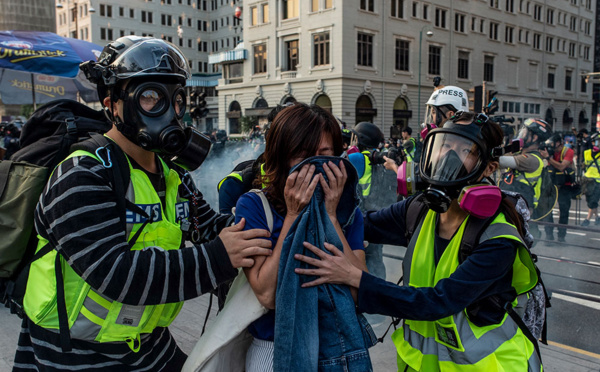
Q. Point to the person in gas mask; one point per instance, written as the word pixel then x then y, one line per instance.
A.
pixel 524 170
pixel 442 105
pixel 450 322
pixel 124 277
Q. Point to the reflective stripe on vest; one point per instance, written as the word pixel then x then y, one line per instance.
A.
pixel 454 343
pixel 591 170
pixel 236 175
pixel 531 179
pixel 92 316
pixel 414 149
pixel 365 181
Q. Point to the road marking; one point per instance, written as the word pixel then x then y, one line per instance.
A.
pixel 579 301
pixel 581 293
pixel 574 349
pixel 576 233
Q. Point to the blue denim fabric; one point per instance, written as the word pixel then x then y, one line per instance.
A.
pixel 318 328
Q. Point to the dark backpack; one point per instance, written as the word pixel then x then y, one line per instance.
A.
pixel 49 136
pixel 533 322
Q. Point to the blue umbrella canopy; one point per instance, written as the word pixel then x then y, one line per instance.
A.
pixel 44 53
pixel 52 58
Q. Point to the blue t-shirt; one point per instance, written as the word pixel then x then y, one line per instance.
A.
pixel 250 207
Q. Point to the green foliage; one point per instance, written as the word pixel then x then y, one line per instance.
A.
pixel 26 110
pixel 247 123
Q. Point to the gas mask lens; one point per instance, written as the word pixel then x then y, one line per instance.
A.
pixel 151 101
pixel 450 158
pixel 179 103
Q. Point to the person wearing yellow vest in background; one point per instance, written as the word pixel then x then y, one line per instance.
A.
pixel 409 144
pixel 103 296
pixel 525 169
pixel 450 322
pixel 377 186
pixel 591 157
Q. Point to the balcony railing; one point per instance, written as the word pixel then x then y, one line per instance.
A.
pixel 289 74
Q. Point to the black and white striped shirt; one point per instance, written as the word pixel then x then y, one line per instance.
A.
pixel 77 213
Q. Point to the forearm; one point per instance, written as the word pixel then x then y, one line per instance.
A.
pixel 263 275
pixel 561 166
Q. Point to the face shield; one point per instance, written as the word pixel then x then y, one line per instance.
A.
pixel 450 159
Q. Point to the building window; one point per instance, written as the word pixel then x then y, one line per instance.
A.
pixel 583 85
pixel 402 54
pixel 253 16
pixel 415 9
pixel 290 9
pixel 550 16
pixel 440 17
pixel 398 8
pixel 233 73
pixel 568 79
pixel 586 53
pixel 573 24
pixel 321 49
pixel 551 77
pixel 508 34
pixel 368 5
pixel 510 6
pixel 494 4
pixel 488 68
pixel 260 58
pixel 425 11
pixel 121 11
pixel 435 60
pixel 265 13
pixel 459 22
pixel 493 31
pixel 549 44
pixel 537 40
pixel 146 17
pixel 572 50
pixel 463 65
pixel 537 12
pixel 292 55
pixel 364 50
pixel 482 26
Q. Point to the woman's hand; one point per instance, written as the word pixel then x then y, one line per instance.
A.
pixel 333 190
pixel 299 189
pixel 332 268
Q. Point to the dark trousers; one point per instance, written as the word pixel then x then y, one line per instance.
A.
pixel 564 205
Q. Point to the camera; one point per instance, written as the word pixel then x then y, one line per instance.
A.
pixel 548 147
pixel 396 154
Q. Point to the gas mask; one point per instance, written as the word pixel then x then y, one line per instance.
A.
pixel 454 159
pixel 152 114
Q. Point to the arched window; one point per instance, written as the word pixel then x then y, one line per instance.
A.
pixel 324 102
pixel 234 114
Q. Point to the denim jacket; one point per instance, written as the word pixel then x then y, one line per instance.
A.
pixel 318 328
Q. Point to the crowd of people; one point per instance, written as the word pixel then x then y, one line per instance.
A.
pixel 311 215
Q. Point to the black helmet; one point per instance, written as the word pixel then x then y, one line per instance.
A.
pixel 369 134
pixel 133 56
pixel 537 126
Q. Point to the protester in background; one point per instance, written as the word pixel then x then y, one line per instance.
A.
pixel 298 132
pixel 592 180
pixel 525 169
pixel 377 185
pixel 451 320
pixel 560 163
pixel 409 144
pixel 124 277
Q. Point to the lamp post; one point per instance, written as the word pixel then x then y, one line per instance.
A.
pixel 429 34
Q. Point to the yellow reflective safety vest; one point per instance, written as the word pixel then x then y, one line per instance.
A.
pixel 365 181
pixel 532 179
pixel 591 166
pixel 410 155
pixel 238 176
pixel 91 315
pixel 454 343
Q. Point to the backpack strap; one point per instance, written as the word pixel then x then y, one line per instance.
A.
pixel 415 212
pixel 266 207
